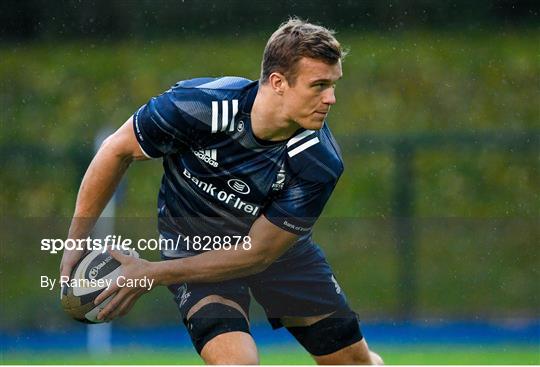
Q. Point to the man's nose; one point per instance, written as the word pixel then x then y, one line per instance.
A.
pixel 329 97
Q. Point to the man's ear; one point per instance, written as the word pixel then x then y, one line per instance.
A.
pixel 278 82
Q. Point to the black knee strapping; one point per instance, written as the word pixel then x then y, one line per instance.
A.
pixel 212 320
pixel 330 334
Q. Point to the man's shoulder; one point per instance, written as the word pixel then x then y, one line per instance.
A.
pixel 211 103
pixel 225 83
pixel 202 93
pixel 314 155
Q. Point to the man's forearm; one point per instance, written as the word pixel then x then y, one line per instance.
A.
pixel 212 266
pixel 268 243
pixel 97 187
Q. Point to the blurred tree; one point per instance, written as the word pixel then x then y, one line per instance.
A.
pixel 31 19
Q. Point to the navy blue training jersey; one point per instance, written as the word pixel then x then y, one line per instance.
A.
pixel 219 177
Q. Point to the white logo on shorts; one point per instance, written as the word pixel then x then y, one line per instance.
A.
pixel 185 294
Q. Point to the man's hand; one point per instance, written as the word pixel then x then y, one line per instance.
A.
pixel 69 259
pixel 137 277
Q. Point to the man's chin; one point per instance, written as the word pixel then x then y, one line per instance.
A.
pixel 311 124
pixel 316 124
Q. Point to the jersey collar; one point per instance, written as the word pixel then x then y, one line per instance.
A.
pixel 252 89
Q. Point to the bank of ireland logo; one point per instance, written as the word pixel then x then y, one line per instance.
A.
pixel 239 186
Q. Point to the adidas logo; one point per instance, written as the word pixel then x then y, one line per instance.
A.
pixel 208 156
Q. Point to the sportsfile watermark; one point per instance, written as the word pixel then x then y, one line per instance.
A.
pixel 380 243
pixel 119 242
pixel 121 281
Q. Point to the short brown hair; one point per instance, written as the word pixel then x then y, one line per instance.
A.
pixel 293 40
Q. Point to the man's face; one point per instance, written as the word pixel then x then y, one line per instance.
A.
pixel 308 101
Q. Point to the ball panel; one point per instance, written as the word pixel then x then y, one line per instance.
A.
pixel 83 291
pixel 100 266
pixel 92 314
pixel 72 305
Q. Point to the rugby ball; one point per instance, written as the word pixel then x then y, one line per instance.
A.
pixel 90 276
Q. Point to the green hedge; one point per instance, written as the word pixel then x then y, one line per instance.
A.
pixel 56 97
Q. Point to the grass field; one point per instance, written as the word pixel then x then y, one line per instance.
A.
pixel 414 354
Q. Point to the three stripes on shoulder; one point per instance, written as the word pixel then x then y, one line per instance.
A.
pixel 227 122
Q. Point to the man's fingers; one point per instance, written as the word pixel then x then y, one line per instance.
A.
pixel 118 255
pixel 68 262
pixel 65 271
pixel 113 304
pixel 106 293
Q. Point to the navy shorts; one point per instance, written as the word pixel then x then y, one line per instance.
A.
pixel 303 285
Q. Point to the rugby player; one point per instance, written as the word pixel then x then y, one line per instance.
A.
pixel 245 158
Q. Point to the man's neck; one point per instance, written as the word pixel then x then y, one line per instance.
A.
pixel 267 119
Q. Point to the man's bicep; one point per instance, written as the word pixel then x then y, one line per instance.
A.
pixel 124 142
pixel 167 124
pixel 271 239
